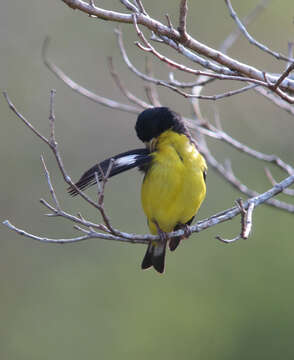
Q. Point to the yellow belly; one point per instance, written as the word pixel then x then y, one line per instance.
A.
pixel 173 188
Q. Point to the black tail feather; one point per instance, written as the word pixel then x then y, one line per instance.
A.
pixel 174 243
pixel 155 256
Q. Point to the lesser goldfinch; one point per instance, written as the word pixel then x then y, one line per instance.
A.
pixel 174 182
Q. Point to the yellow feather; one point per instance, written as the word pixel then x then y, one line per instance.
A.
pixel 174 187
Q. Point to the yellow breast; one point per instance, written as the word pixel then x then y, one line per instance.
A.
pixel 174 187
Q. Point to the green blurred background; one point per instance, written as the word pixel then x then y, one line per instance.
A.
pixel 91 300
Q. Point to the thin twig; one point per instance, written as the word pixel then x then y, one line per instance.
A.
pixel 234 35
pixel 105 178
pixel 129 5
pixel 183 21
pixel 275 99
pixel 131 97
pixel 246 229
pixel 231 39
pixel 76 219
pixel 283 76
pixel 51 189
pixel 277 90
pixel 191 84
pixel 236 183
pixel 216 133
pixel 90 235
pixel 250 38
pixel 269 175
pixel 228 241
pixel 54 147
pixel 170 25
pixel 141 7
pixel 27 123
pixel 246 222
pixel 150 88
pixel 196 58
pixel 290 51
pixel 80 89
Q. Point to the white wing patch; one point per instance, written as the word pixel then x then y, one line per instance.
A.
pixel 126 160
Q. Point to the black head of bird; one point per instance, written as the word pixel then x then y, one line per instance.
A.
pixel 154 121
pixel 174 183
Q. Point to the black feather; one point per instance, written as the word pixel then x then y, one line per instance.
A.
pixel 174 242
pixel 140 157
pixel 155 256
pixel 154 121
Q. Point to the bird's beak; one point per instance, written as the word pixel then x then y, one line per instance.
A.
pixel 151 145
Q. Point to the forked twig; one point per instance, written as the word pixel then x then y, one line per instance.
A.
pixel 246 223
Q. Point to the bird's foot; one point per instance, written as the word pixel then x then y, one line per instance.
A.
pixel 163 235
pixel 187 231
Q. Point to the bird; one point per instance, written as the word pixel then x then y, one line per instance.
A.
pixel 174 183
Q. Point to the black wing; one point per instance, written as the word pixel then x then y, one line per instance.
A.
pixel 122 162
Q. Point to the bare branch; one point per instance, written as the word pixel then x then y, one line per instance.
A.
pixel 283 76
pixel 231 39
pixel 45 239
pixel 170 25
pixel 246 229
pixel 231 178
pixel 216 133
pixel 246 223
pixel 81 90
pixel 250 38
pixel 223 95
pixel 190 84
pixel 221 67
pixel 123 88
pixel 277 90
pixel 275 99
pixel 54 147
pixel 183 21
pixel 164 31
pixel 137 72
pixel 141 7
pixel 290 51
pixel 269 175
pixel 150 88
pixel 105 178
pixel 129 5
pixel 72 218
pixel 25 121
pixel 117 235
pixel 196 58
pixel 88 236
pixel 200 226
pixel 52 192
pixel 150 48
